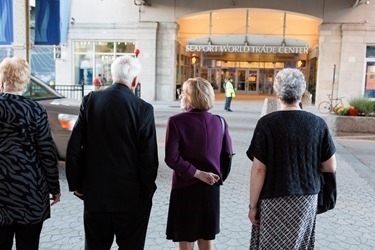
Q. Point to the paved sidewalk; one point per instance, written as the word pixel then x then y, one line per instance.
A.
pixel 351 225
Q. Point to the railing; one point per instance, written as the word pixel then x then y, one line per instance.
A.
pixel 71 91
pixel 78 91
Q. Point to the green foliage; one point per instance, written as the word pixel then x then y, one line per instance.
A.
pixel 365 106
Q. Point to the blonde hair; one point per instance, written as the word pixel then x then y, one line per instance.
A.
pixel 199 93
pixel 14 74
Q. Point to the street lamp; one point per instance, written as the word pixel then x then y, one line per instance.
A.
pixel 194 61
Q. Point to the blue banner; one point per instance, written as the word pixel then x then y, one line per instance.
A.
pixel 64 19
pixel 47 22
pixel 6 22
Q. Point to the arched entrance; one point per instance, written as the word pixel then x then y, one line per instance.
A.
pixel 250 45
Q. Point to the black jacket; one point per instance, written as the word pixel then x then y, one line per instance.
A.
pixel 112 153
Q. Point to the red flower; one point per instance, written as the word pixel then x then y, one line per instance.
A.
pixel 352 111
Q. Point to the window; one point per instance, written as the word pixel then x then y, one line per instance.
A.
pixel 95 57
pixel 370 72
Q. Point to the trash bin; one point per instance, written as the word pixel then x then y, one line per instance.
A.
pixel 138 90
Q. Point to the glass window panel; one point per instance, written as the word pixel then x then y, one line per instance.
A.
pixel 103 66
pixel 370 51
pixel 370 80
pixel 83 69
pixel 104 47
pixel 269 65
pixel 279 65
pixel 203 73
pixel 125 47
pixel 83 46
pixel 253 65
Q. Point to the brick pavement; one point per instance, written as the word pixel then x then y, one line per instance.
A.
pixel 349 226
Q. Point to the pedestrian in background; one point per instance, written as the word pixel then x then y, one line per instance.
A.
pixel 194 141
pixel 289 149
pixel 112 161
pixel 29 177
pixel 98 82
pixel 229 94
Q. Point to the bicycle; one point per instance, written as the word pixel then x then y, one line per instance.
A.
pixel 327 106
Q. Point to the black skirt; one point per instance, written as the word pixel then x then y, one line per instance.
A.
pixel 194 213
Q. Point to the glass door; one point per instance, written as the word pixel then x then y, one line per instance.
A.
pixel 214 77
pixel 252 81
pixel 240 81
pixel 266 81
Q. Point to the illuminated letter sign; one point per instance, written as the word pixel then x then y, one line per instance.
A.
pixel 247 49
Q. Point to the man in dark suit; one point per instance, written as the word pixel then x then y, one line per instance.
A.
pixel 112 161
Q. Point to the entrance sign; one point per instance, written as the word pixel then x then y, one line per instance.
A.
pixel 247 49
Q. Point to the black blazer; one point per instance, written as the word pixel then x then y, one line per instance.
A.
pixel 112 153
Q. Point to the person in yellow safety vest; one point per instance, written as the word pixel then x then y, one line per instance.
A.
pixel 229 94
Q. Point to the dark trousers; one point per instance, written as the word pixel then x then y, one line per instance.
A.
pixel 27 236
pixel 129 227
pixel 228 100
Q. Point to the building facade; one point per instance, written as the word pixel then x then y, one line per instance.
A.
pixel 331 41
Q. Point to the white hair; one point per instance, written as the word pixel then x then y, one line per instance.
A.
pixel 124 69
pixel 289 85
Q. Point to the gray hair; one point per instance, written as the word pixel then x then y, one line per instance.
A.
pixel 14 74
pixel 124 69
pixel 289 85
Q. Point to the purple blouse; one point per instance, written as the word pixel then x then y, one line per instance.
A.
pixel 193 141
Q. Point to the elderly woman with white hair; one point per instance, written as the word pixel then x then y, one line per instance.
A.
pixel 290 149
pixel 29 177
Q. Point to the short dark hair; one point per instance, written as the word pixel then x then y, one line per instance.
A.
pixel 99 74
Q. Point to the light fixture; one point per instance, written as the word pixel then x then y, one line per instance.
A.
pixel 141 3
pixel 358 2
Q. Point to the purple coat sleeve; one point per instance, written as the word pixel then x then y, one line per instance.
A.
pixel 182 168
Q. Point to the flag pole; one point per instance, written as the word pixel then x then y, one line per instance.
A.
pixel 27 42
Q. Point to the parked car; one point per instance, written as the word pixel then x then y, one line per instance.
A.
pixel 62 112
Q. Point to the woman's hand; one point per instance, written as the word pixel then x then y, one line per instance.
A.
pixel 55 198
pixel 254 216
pixel 207 177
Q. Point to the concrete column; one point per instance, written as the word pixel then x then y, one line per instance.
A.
pixel 343 45
pixel 19 27
pixel 166 61
pixel 329 55
pixel 147 43
pixel 352 61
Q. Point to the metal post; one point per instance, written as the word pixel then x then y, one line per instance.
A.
pixel 27 42
pixel 247 26
pixel 83 89
pixel 333 83
pixel 210 29
pixel 284 27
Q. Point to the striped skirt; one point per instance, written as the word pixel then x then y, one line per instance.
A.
pixel 286 223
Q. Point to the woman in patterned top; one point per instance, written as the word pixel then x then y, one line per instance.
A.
pixel 289 149
pixel 28 161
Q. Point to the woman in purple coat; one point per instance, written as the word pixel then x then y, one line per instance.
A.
pixel 194 141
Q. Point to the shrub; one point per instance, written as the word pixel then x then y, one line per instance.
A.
pixel 365 106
